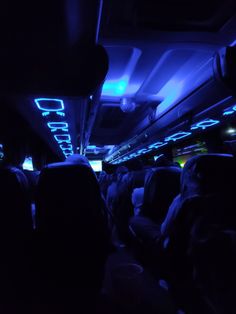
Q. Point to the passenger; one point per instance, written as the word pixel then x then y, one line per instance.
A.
pixel 104 182
pixel 113 187
pixel 123 207
pixel 137 200
pixel 163 161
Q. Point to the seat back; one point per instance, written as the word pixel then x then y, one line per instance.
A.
pixel 208 174
pixel 15 214
pixel 161 187
pixel 72 231
pixel 16 235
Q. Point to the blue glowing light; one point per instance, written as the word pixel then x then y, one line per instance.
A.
pixel 158 156
pixel 55 126
pixel 63 138
pixel 204 124
pixel 114 88
pixel 144 151
pixel 91 147
pixel 133 155
pixel 49 104
pixel 169 93
pixel 228 112
pixel 66 147
pixel 28 164
pixel 177 136
pixel 157 145
pixel 67 154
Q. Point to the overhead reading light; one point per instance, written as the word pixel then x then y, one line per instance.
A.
pixel 127 105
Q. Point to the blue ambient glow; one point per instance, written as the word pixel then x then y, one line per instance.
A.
pixel 91 147
pixel 114 88
pixel 157 145
pixel 28 164
pixel 177 136
pixel 158 156
pixel 58 126
pixel 204 124
pixel 170 92
pixel 229 111
pixel 62 138
pixel 48 105
pixel 66 147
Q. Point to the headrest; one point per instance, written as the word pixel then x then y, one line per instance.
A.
pixel 161 186
pixel 15 199
pixel 208 174
pixel 68 190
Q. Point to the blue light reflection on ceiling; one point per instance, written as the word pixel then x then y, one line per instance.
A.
pixel 53 109
pixel 114 88
pixel 117 84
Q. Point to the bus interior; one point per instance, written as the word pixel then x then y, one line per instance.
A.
pixel 117 156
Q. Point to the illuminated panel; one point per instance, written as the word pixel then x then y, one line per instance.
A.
pixel 96 165
pixel 28 164
pixel 58 126
pixel 204 124
pixel 177 136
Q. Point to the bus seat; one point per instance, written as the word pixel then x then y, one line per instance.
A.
pixel 72 232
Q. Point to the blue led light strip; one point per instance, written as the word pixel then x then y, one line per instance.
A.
pixel 204 124
pixel 53 108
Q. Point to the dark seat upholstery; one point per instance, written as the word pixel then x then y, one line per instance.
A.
pixel 206 201
pixel 73 234
pixel 15 238
pixel 161 187
pixel 15 214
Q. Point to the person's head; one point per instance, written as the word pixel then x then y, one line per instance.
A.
pixel 78 159
pixel 163 161
pixel 134 164
pixel 120 171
